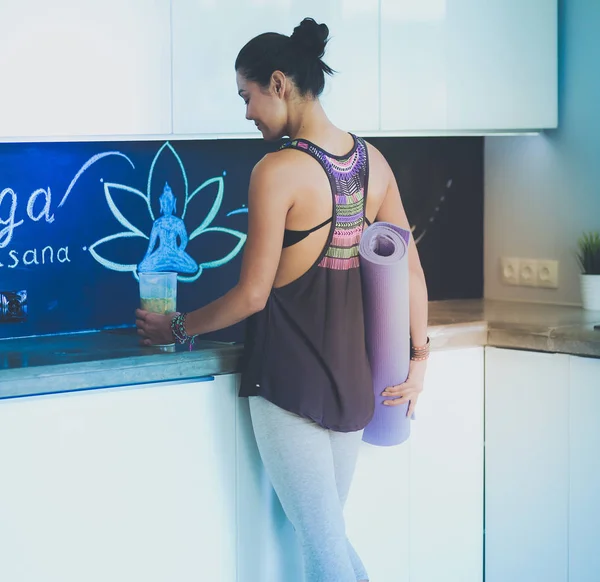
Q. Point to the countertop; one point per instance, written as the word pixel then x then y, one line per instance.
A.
pixel 49 364
pixel 80 361
pixel 507 324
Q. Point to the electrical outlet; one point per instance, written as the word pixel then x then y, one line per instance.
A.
pixel 509 270
pixel 528 272
pixel 13 306
pixel 547 275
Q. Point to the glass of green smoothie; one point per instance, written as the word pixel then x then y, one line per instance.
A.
pixel 158 293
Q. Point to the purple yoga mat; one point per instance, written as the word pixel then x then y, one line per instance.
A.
pixel 384 274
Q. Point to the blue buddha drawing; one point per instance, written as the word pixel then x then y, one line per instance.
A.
pixel 168 239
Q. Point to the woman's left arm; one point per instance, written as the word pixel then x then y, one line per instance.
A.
pixel 392 211
pixel 268 205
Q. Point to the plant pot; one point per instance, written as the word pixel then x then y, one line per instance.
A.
pixel 590 292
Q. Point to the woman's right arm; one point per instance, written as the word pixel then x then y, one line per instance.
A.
pixel 268 204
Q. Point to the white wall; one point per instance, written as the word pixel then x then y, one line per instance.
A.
pixel 542 191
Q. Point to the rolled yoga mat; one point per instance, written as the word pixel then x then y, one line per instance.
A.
pixel 384 274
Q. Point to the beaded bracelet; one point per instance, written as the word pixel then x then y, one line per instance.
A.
pixel 419 353
pixel 178 330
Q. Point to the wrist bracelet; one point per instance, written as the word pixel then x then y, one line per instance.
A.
pixel 178 330
pixel 419 353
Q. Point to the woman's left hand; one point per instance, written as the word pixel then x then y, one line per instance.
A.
pixel 153 328
pixel 409 391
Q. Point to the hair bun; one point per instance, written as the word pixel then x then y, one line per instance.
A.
pixel 311 37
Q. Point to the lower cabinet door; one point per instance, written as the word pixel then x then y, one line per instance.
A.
pixel 584 458
pixel 446 470
pixel 526 466
pixel 120 485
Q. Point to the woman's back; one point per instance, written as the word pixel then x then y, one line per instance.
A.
pixel 303 179
pixel 305 350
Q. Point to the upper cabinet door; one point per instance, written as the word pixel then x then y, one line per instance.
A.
pixel 72 68
pixel 413 65
pixel 502 64
pixel 351 95
pixel 207 36
pixel 463 65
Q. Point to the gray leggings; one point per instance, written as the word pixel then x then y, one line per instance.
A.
pixel 311 469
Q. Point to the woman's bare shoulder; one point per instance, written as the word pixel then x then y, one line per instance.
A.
pixel 281 162
pixel 288 170
pixel 279 175
pixel 377 161
pixel 380 173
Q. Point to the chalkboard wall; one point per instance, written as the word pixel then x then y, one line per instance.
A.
pixel 77 218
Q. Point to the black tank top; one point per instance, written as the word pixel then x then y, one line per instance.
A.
pixel 305 351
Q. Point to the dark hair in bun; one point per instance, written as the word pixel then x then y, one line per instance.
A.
pixel 299 56
pixel 311 38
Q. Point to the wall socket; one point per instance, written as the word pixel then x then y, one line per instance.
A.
pixel 547 274
pixel 509 270
pixel 529 272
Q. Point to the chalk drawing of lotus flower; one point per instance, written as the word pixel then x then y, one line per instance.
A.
pixel 168 237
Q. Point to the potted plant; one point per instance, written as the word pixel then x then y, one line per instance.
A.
pixel 589 261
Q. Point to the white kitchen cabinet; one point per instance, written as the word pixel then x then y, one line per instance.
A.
pixel 71 68
pixel 207 36
pixel 162 67
pixel 446 471
pixel 584 443
pixel 527 466
pixel 467 65
pixel 120 484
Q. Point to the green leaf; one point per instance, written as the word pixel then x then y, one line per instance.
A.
pixel 589 253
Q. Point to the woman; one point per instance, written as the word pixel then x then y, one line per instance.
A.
pixel 306 372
